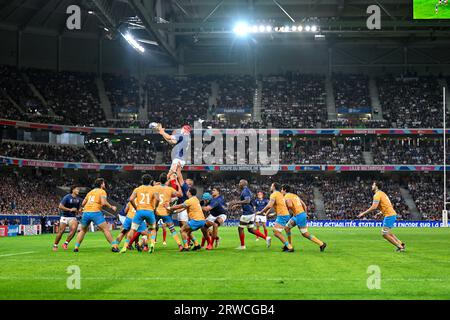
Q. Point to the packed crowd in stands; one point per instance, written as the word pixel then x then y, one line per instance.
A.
pixel 236 91
pixel 346 123
pixel 346 198
pixel 27 194
pixel 175 102
pixel 411 101
pixel 408 151
pixel 122 92
pixel 303 151
pixel 125 151
pixel 294 101
pixel 427 193
pixel 72 98
pixel 44 152
pixel 71 95
pixel 351 91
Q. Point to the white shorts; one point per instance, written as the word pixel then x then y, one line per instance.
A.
pixel 67 220
pixel 176 162
pixel 183 216
pixel 261 219
pixel 247 220
pixel 213 219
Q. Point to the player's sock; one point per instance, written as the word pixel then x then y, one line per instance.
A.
pixel 259 234
pixel 315 240
pixel 195 241
pixel 77 245
pixel 257 229
pixel 265 232
pixel 287 245
pixel 242 238
pixel 203 241
pixel 135 237
pixel 164 235
pixel 210 241
pixel 185 244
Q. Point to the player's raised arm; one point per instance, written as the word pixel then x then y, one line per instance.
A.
pixel 169 138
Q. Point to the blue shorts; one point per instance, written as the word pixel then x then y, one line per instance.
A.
pixel 300 220
pixel 127 225
pixel 96 217
pixel 196 224
pixel 144 215
pixel 165 219
pixel 283 220
pixel 388 222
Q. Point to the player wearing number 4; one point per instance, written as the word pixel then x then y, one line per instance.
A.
pixel 144 199
pixel 298 210
pixel 92 212
pixel 381 201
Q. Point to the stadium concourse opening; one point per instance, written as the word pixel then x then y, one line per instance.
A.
pixel 247 135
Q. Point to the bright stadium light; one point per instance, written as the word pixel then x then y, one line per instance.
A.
pixel 294 28
pixel 300 28
pixel 314 28
pixel 241 29
pixel 254 28
pixel 268 28
pixel 286 28
pixel 132 42
pixel 307 28
pixel 262 28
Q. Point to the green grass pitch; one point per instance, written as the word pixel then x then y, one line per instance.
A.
pixel 425 9
pixel 30 270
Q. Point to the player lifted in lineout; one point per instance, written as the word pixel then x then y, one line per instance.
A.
pixel 180 140
pixel 248 217
pixel 381 201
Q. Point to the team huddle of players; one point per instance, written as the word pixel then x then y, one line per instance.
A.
pixel 441 3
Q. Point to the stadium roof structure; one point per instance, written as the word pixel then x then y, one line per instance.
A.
pixel 171 26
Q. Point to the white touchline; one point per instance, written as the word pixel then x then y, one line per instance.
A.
pixel 16 254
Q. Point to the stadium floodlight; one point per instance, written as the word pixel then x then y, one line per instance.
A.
pixel 300 28
pixel 286 28
pixel 268 28
pixel 294 28
pixel 314 28
pixel 241 29
pixel 132 42
pixel 90 12
pixel 254 28
pixel 307 28
pixel 262 28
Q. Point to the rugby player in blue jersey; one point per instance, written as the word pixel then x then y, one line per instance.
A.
pixel 259 203
pixel 248 215
pixel 215 206
pixel 69 207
